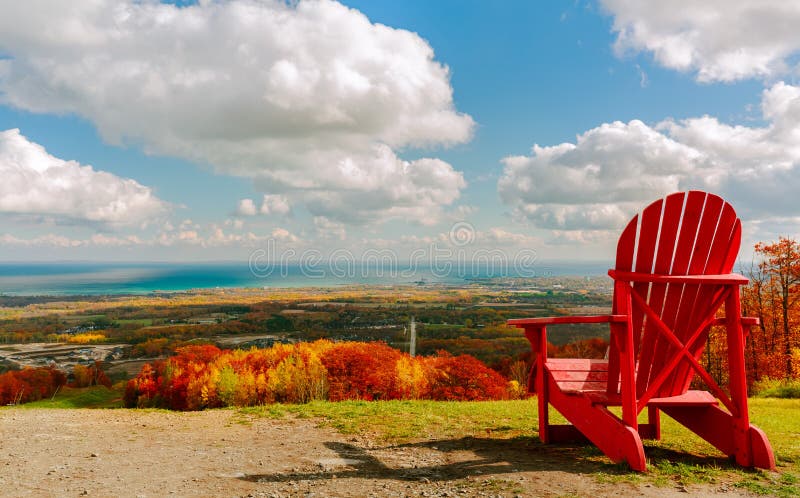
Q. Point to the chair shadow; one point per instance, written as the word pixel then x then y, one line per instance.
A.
pixel 491 457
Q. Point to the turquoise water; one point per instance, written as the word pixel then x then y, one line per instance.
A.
pixel 143 278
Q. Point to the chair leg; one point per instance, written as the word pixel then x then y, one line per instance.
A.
pixel 542 399
pixel 608 432
pixel 719 428
pixel 654 420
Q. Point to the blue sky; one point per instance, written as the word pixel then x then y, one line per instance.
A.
pixel 213 129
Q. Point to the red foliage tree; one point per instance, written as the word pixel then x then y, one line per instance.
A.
pixel 463 378
pixel 358 370
pixel 30 384
pixel 773 296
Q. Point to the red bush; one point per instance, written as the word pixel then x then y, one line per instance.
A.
pixel 30 384
pixel 463 378
pixel 358 370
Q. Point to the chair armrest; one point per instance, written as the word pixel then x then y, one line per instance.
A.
pixel 552 320
pixel 630 276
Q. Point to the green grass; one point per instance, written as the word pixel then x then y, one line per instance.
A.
pixel 402 421
pixel 88 397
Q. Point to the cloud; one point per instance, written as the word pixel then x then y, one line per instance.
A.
pixel 498 237
pixel 246 207
pixel 275 204
pixel 327 229
pixel 283 235
pixel 596 182
pixel 309 100
pixel 271 204
pixel 35 183
pixel 51 240
pixel 383 186
pixel 720 40
pixel 60 241
pixel 613 170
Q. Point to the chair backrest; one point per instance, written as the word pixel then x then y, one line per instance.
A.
pixel 686 233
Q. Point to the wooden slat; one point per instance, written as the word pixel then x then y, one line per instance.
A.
pixel 645 257
pixel 624 262
pixel 581 386
pixel 573 375
pixel 721 248
pixel 626 245
pixel 735 242
pixel 575 364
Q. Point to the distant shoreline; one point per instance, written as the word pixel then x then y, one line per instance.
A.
pixel 119 279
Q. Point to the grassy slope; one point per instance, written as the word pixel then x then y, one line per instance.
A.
pixel 90 397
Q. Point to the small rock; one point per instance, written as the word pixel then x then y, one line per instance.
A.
pixel 94 455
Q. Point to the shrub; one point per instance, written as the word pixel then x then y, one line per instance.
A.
pixel 463 378
pixel 777 388
pixel 358 370
pixel 30 384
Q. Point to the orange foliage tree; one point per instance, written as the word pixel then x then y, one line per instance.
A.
pixel 89 375
pixel 29 384
pixel 200 377
pixel 773 296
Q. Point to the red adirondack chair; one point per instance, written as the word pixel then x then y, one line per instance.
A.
pixel 672 275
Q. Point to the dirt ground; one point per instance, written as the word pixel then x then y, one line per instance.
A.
pixel 223 453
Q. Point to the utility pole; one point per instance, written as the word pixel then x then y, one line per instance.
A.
pixel 412 345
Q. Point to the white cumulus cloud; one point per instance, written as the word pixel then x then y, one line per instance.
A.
pixel 594 183
pixel 720 40
pixel 275 204
pixel 39 184
pixel 611 171
pixel 310 100
pixel 246 207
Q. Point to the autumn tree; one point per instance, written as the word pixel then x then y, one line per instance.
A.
pixel 772 296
